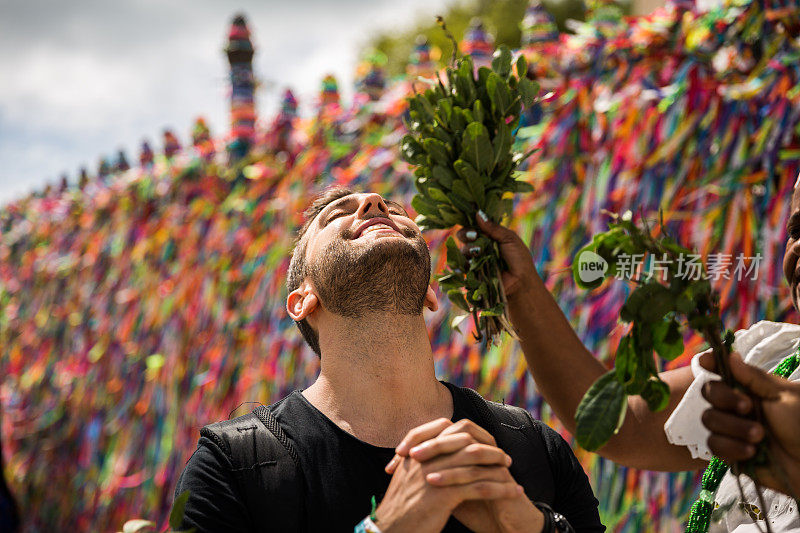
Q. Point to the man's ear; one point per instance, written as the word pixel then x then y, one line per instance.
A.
pixel 302 301
pixel 431 301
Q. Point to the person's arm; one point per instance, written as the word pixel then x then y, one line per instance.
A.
pixel 213 505
pixel 734 433
pixel 564 369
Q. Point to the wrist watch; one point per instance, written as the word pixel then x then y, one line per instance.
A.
pixel 553 522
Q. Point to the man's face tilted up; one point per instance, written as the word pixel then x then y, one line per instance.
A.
pixel 363 254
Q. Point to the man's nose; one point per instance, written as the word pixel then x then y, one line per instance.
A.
pixel 372 205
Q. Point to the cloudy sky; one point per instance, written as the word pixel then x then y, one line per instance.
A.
pixel 83 79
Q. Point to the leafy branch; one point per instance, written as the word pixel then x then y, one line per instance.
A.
pixel 655 309
pixel 461 137
pixel 658 310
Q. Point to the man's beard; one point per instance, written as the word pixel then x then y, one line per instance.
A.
pixel 388 275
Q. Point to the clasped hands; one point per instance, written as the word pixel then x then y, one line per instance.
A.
pixel 443 468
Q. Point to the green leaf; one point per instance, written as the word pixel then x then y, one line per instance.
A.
pixel 466 68
pixel 467 115
pixel 667 339
pixel 460 188
pixel 477 111
pixel 444 111
pixel 656 394
pixel 462 203
pixel 438 195
pixel 648 302
pixel 457 297
pixel 424 206
pixel 459 122
pixel 660 302
pixel 501 61
pixel 503 169
pixel 497 310
pixel 450 281
pixel 492 205
pixel 522 67
pixel 427 109
pixel 176 515
pixel 450 216
pixel 600 413
pixel 412 151
pixel 528 90
pixel 477 148
pixel 464 84
pixel 138 526
pixel 422 112
pixel 498 94
pixel 426 223
pixel 472 179
pixel 522 186
pixel 442 135
pixel 479 293
pixel 501 145
pixel 438 151
pixel 454 256
pixel 625 362
pixel 443 176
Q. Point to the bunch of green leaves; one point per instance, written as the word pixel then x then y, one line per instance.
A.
pixel 658 310
pixel 460 142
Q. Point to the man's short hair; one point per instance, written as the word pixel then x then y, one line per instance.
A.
pixel 298 269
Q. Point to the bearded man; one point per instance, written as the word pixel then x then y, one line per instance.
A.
pixel 377 443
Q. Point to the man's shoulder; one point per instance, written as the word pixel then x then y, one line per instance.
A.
pixel 242 430
pixel 247 464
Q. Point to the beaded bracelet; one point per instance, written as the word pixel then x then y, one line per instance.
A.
pixel 700 514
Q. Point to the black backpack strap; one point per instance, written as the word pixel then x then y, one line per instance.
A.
pixel 520 436
pixel 265 466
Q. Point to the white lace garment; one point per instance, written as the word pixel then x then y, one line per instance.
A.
pixel 764 345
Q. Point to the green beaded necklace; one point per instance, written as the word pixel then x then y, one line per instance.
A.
pixel 700 514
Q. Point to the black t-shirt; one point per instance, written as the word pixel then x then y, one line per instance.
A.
pixel 342 473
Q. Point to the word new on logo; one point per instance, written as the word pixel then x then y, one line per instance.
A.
pixel 591 266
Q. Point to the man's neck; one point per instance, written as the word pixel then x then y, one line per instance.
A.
pixel 377 377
